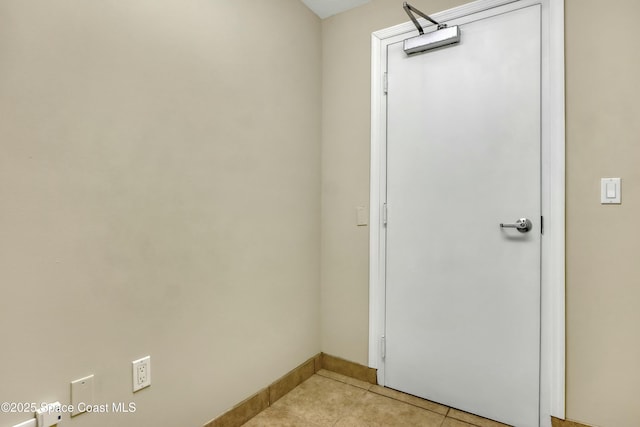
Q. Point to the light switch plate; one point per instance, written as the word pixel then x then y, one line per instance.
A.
pixel 610 191
pixel 81 394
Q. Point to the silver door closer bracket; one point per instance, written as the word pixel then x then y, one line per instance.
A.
pixel 443 36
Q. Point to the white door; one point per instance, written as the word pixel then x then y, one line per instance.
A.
pixel 463 156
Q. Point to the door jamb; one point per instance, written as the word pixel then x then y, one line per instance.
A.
pixel 552 358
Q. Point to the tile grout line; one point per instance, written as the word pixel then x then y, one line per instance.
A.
pixel 345 413
pixel 446 415
pixel 409 403
pixel 345 382
pixel 369 387
pixel 368 390
pixel 360 380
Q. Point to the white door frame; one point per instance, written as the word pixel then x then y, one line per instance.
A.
pixel 552 357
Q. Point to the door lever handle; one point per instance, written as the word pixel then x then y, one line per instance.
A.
pixel 523 225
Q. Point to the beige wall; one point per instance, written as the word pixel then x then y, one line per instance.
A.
pixel 603 274
pixel 160 188
pixel 603 248
pixel 160 194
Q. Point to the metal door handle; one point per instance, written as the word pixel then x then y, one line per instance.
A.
pixel 523 225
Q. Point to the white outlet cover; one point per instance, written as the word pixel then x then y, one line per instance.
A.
pixel 141 370
pixel 50 414
pixel 81 394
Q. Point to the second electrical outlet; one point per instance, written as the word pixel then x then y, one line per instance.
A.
pixel 141 373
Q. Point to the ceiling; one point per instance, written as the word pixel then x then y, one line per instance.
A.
pixel 326 8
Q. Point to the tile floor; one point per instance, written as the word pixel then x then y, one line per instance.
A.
pixel 330 399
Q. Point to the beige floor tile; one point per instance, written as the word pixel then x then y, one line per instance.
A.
pixel 344 379
pixel 380 411
pixel 328 399
pixel 351 421
pixel 407 398
pixel 450 422
pixel 473 419
pixel 321 401
pixel 278 417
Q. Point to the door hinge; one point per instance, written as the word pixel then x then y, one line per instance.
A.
pixel 385 83
pixel 384 214
pixel 383 347
pixel 541 225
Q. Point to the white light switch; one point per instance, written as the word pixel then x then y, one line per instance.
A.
pixel 610 191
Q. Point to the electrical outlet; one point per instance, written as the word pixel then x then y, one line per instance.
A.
pixel 141 373
pixel 49 415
